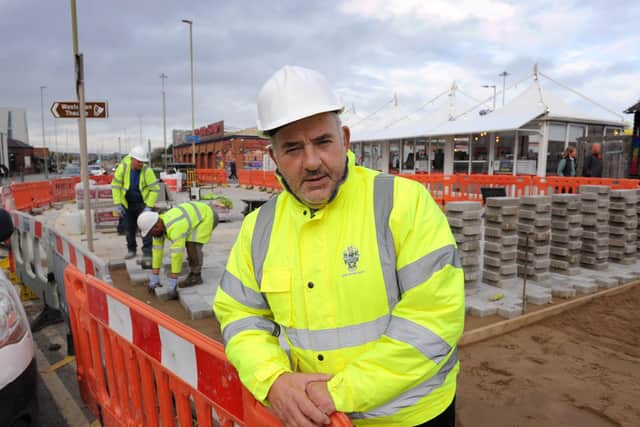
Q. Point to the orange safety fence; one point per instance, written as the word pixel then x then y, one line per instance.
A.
pixel 244 177
pixel 271 181
pixel 21 193
pixel 101 179
pixel 136 366
pixel 63 189
pixel 211 176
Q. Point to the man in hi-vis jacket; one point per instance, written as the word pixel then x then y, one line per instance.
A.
pixel 357 270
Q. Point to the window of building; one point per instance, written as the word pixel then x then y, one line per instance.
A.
pixel 408 156
pixel 422 156
pixel 557 142
pixel 437 156
pixel 394 157
pixel 480 153
pixel 505 145
pixel 461 155
pixel 575 132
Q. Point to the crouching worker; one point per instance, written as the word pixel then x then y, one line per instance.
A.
pixel 187 225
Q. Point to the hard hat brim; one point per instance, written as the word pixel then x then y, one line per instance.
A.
pixel 267 133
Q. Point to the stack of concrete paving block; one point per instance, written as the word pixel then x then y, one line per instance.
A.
pixel 595 223
pixel 534 222
pixel 566 233
pixel 501 241
pixel 623 225
pixel 465 220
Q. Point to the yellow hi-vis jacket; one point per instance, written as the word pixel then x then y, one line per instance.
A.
pixel 148 184
pixel 187 222
pixel 369 288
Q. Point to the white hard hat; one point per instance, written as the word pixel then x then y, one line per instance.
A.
pixel 291 94
pixel 146 221
pixel 139 153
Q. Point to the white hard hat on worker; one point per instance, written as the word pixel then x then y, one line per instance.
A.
pixel 139 153
pixel 291 94
pixel 298 110
pixel 146 221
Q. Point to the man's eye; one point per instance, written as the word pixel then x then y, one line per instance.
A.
pixel 289 150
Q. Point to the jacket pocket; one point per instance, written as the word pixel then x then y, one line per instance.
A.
pixel 276 285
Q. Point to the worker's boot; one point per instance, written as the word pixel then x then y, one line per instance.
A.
pixel 192 279
pixel 130 254
pixel 146 263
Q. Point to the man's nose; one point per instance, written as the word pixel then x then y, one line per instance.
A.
pixel 311 160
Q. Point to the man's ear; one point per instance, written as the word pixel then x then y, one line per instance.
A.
pixel 272 154
pixel 346 135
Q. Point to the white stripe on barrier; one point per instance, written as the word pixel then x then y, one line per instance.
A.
pixel 120 318
pixel 179 356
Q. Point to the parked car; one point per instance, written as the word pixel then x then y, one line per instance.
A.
pixel 96 170
pixel 71 170
pixel 19 374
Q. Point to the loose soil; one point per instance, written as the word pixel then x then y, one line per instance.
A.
pixel 209 326
pixel 580 368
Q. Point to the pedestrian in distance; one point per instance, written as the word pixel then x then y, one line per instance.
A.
pixel 135 189
pixel 593 163
pixel 189 225
pixel 356 270
pixel 567 165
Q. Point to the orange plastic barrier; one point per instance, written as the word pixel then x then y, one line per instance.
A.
pixel 271 181
pixel 137 366
pixel 41 194
pixel 101 179
pixel 21 193
pixel 244 177
pixel 211 176
pixel 63 189
pixel 171 183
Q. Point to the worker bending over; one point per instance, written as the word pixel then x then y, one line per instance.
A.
pixel 357 270
pixel 187 225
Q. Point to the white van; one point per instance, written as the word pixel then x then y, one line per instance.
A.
pixel 18 371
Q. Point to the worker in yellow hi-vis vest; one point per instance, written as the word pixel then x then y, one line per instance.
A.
pixel 356 270
pixel 188 225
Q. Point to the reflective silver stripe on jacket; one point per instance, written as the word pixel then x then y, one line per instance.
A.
pixel 382 205
pixel 419 337
pixel 261 236
pixel 247 324
pixel 116 180
pixel 174 220
pixel 421 270
pixel 195 207
pixel 158 247
pixel 337 338
pixel 237 290
pixel 412 396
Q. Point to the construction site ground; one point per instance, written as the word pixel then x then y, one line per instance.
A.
pixel 579 367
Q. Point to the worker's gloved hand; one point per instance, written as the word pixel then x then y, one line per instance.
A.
pixel 121 210
pixel 154 280
pixel 147 209
pixel 173 282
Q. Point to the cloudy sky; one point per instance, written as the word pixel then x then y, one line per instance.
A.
pixel 369 49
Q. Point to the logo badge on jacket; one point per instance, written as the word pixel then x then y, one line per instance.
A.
pixel 351 256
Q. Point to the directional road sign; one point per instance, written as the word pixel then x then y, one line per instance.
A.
pixel 192 138
pixel 71 110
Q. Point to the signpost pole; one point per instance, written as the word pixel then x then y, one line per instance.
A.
pixel 82 126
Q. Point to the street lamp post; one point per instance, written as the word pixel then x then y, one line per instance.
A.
pixel 494 94
pixel 193 119
pixel 163 76
pixel 504 75
pixel 44 143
